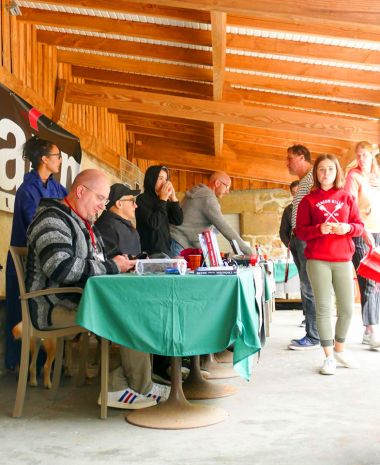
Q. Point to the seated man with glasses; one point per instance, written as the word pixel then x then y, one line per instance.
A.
pixel 64 249
pixel 115 224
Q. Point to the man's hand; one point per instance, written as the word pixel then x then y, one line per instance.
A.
pixel 124 263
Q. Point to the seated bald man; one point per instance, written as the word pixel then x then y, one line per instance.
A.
pixel 64 249
pixel 201 210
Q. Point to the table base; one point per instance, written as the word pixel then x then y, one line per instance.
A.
pixel 224 357
pixel 196 387
pixel 176 412
pixel 218 370
pixel 176 415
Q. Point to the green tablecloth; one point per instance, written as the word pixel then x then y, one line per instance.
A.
pixel 279 271
pixel 175 315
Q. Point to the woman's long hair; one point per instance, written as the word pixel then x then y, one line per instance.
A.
pixel 339 178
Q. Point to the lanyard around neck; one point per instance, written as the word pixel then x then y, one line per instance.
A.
pixel 86 223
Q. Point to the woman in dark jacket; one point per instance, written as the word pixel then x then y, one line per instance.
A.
pixel 158 207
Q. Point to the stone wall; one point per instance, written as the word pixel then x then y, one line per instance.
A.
pixel 260 216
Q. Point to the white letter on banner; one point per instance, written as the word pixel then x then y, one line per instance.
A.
pixel 7 126
pixel 68 163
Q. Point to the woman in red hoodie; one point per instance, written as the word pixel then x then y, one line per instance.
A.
pixel 327 220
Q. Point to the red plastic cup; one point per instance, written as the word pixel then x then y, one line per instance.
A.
pixel 195 261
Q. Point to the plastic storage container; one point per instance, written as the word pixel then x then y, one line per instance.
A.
pixel 161 265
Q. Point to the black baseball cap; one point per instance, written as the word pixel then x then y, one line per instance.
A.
pixel 117 191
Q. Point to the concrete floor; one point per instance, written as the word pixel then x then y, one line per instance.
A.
pixel 287 414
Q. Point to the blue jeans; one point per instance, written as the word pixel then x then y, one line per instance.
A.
pixel 175 249
pixel 307 296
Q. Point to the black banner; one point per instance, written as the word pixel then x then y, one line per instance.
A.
pixel 18 122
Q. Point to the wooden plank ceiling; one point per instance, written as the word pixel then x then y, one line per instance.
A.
pixel 217 84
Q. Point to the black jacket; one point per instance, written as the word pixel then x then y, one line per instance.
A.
pixel 286 225
pixel 119 235
pixel 153 216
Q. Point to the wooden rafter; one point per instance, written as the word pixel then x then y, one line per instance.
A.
pixel 218 32
pixel 319 105
pixel 359 12
pixel 202 110
pixel 140 80
pixel 134 66
pixel 128 28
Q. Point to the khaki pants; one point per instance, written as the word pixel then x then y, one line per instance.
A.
pixel 134 370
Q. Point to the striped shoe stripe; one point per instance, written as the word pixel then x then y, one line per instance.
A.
pixel 127 397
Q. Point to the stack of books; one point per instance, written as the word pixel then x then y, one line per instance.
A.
pixel 224 270
pixel 212 257
pixel 210 248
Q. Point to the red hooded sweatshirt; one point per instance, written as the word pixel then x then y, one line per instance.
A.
pixel 333 205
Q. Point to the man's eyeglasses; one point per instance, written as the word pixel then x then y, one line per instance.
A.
pixel 101 198
pixel 227 185
pixel 58 155
pixel 133 201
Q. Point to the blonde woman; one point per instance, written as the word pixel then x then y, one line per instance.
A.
pixel 363 182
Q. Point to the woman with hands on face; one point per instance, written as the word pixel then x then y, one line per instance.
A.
pixel 328 218
pixel 158 207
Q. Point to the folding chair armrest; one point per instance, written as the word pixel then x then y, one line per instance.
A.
pixel 52 290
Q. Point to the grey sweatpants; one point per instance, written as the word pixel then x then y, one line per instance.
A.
pixel 324 277
pixel 134 370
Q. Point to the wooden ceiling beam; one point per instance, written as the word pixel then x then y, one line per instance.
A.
pixel 359 12
pixel 292 68
pixel 223 112
pixel 296 48
pixel 291 137
pixel 273 170
pixel 163 118
pixel 313 88
pixel 196 146
pixel 183 93
pixel 128 28
pixel 125 6
pixel 133 66
pixel 302 102
pixel 158 83
pixel 127 47
pixel 167 135
pixel 218 35
pixel 295 25
pixel 151 124
pixel 278 143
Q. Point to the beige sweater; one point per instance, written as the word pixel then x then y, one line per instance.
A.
pixel 368 198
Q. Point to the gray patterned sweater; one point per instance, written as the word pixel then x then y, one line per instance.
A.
pixel 60 254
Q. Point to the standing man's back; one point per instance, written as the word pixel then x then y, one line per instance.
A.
pixel 201 210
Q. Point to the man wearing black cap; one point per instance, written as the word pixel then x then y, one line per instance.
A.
pixel 115 224
pixel 130 384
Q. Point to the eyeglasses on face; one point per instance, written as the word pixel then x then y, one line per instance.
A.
pixel 58 155
pixel 101 198
pixel 225 184
pixel 133 201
